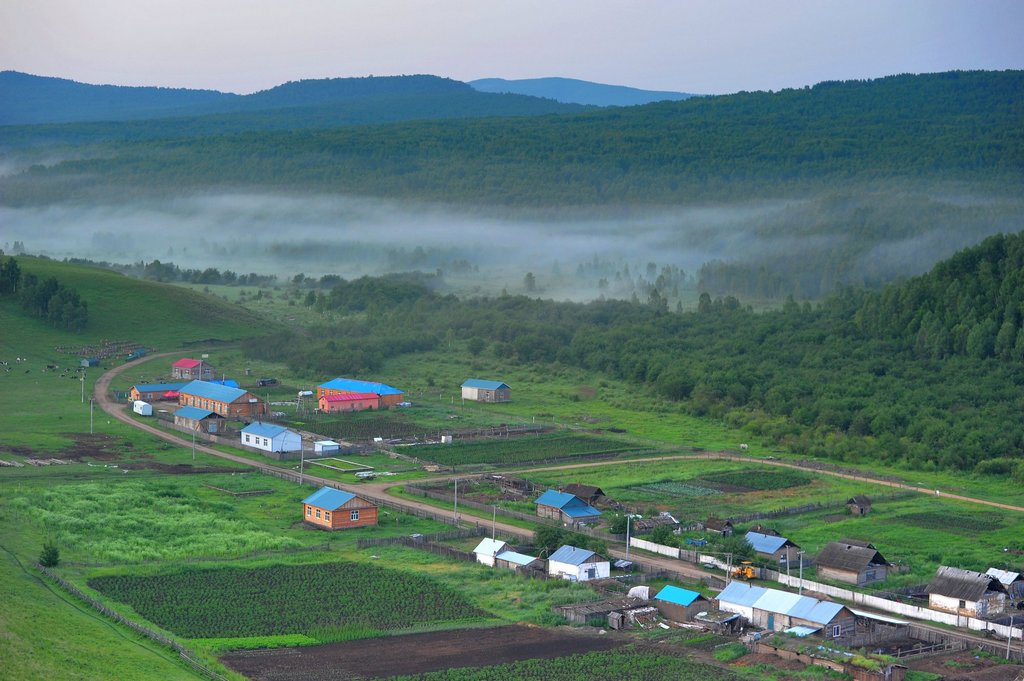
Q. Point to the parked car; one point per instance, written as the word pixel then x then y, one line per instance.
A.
pixel 263 382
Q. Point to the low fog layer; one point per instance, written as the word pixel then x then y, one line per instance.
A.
pixel 287 235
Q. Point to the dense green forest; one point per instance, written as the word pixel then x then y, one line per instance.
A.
pixel 928 374
pixel 47 298
pixel 958 126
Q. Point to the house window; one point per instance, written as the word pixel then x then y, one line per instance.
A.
pixel 837 631
pixel 318 514
pixel 963 604
pixel 353 515
pixel 264 442
pixel 327 515
pixel 247 437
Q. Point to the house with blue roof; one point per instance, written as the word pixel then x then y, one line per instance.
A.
pixel 270 437
pixel 511 560
pixel 578 565
pixel 480 390
pixel 678 604
pixel 389 397
pixel 334 509
pixel 231 403
pixel 567 508
pixel 150 392
pixel 777 610
pixel 777 549
pixel 199 420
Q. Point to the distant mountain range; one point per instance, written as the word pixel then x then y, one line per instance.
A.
pixel 572 91
pixel 27 99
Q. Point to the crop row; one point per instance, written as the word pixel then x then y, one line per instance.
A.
pixel 953 522
pixel 287 599
pixel 763 480
pixel 622 665
pixel 677 489
pixel 518 450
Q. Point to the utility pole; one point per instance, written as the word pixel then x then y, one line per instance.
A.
pixel 193 444
pixel 456 501
pixel 494 520
pixel 83 388
pixel 302 460
pixel 90 415
pixel 629 517
pixel 800 557
pixel 1009 638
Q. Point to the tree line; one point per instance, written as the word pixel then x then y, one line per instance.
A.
pixel 47 298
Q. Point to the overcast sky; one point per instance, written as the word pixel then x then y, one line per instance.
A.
pixel 699 46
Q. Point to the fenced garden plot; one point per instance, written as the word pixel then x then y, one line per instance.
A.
pixel 340 465
pixel 327 601
pixel 742 480
pixel 522 450
pixel 677 489
pixel 957 523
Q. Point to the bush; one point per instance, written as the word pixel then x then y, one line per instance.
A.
pixel 50 555
pixel 730 652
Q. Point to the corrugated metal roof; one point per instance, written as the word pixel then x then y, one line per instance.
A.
pixel 1005 577
pixel 677 595
pixel 880 618
pixel 350 397
pixel 765 543
pixel 515 558
pixel 569 504
pixel 843 556
pixel 490 547
pixel 962 584
pixel 187 363
pixel 554 498
pixel 486 385
pixel 158 387
pixel 795 605
pixel 270 430
pixel 212 391
pixel 195 413
pixel 228 382
pixel 741 594
pixel 801 631
pixel 329 498
pixel 353 385
pixel 572 555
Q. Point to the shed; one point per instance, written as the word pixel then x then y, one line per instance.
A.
pixel 576 564
pixel 966 592
pixel 270 438
pixel 588 493
pixel 777 610
pixel 326 447
pixel 567 508
pixel 334 509
pixel 202 420
pixel 1013 582
pixel 777 549
pixel 853 562
pixel 859 505
pixel 340 402
pixel 487 549
pixel 647 525
pixel 719 526
pixel 511 560
pixel 679 605
pixel 479 390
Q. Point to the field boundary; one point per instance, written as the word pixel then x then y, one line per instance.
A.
pixel 186 655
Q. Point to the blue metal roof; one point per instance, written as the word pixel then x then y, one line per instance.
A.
pixel 677 595
pixel 228 382
pixel 741 594
pixel 486 385
pixel 212 391
pixel 490 546
pixel 515 558
pixel 195 413
pixel 158 387
pixel 765 543
pixel 355 386
pixel 329 498
pixel 795 605
pixel 264 429
pixel 572 555
pixel 569 504
pixel 801 631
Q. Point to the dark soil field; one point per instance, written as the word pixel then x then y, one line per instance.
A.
pixel 417 653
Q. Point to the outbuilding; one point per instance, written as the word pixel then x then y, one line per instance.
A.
pixel 142 408
pixel 678 604
pixel 777 610
pixel 576 564
pixel 859 505
pixel 201 420
pixel 479 390
pixel 520 562
pixel 487 549
pixel 326 447
pixel 568 508
pixel 334 509
pixel 853 562
pixel 192 369
pixel 966 592
pixel 90 362
pixel 777 549
pixel 148 392
pixel 1013 582
pixel 271 438
pixel 340 402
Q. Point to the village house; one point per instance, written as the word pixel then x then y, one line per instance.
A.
pixel 679 605
pixel 233 403
pixel 151 392
pixel 199 420
pixel 333 509
pixel 853 562
pixel 341 402
pixel 966 592
pixel 578 565
pixel 487 549
pixel 192 370
pixel 719 526
pixel 777 549
pixel 568 509
pixel 270 438
pixel 387 396
pixel 776 610
pixel 859 505
pixel 479 390
pixel 647 525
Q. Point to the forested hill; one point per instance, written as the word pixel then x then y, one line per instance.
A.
pixel 571 90
pixel 27 100
pixel 958 126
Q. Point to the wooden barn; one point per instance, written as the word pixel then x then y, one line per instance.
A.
pixel 1013 582
pixel 192 370
pixel 388 396
pixel 858 505
pixel 853 562
pixel 232 403
pixel 719 526
pixel 587 493
pixel 520 562
pixel 479 390
pixel 966 592
pixel 647 525
pixel 342 402
pixel 568 509
pixel 333 509
pixel 679 605
pixel 777 549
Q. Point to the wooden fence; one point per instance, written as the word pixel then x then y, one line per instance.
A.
pixel 186 655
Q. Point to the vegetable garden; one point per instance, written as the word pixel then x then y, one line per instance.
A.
pixel 523 450
pixel 327 601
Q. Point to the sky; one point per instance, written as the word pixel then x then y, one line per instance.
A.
pixel 696 46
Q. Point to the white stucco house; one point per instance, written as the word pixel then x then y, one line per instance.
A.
pixel 576 564
pixel 271 438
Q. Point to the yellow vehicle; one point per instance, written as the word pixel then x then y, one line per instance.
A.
pixel 744 571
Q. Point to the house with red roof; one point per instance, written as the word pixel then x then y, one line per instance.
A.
pixel 336 402
pixel 192 370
